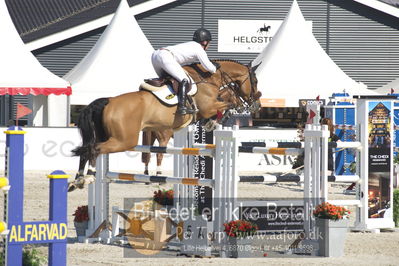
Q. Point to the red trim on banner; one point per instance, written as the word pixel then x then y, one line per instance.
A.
pixel 35 91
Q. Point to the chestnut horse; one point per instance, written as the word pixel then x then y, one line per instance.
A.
pixel 226 94
pixel 109 125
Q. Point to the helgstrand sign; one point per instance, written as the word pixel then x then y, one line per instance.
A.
pixel 247 36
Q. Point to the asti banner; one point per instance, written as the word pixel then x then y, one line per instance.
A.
pixel 247 36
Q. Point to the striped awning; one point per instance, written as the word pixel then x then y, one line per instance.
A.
pixel 35 91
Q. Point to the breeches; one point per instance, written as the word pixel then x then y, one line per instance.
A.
pixel 163 61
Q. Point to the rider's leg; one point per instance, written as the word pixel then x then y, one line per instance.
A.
pixel 170 65
pixel 182 95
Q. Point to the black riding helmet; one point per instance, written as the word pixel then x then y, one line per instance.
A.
pixel 201 35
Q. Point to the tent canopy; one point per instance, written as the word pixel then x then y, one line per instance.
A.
pixel 21 72
pixel 117 63
pixel 294 66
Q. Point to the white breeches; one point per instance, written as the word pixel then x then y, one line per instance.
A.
pixel 163 61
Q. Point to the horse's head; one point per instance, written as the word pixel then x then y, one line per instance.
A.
pixel 246 84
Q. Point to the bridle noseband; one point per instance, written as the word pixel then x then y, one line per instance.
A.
pixel 235 87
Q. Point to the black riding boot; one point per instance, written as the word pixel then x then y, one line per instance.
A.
pixel 181 106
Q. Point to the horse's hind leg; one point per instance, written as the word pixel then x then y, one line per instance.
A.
pixel 148 139
pixel 163 138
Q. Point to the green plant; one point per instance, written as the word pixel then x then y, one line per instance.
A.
pixel 81 214
pixel 329 211
pixel 163 197
pixel 396 207
pixel 240 228
pixel 32 257
pixel 396 158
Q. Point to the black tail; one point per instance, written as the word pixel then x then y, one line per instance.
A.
pixel 91 129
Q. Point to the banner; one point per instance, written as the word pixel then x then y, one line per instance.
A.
pixel 380 141
pixel 247 36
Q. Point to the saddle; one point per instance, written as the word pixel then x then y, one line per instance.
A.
pixel 168 81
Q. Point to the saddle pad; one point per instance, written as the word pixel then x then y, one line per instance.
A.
pixel 166 94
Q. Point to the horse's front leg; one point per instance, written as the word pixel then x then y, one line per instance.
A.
pixel 215 107
pixel 213 110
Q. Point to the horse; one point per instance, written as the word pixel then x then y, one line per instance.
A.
pixel 226 94
pixel 264 29
pixel 110 125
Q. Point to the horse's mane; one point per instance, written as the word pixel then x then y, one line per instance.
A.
pixel 229 60
pixel 220 60
pixel 196 65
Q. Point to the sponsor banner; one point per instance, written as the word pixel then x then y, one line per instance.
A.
pixel 305 102
pixel 269 102
pixel 50 149
pixel 203 169
pixel 246 36
pixel 379 128
pixel 274 215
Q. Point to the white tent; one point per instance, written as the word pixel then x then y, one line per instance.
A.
pixel 22 74
pixel 294 66
pixel 387 88
pixel 117 64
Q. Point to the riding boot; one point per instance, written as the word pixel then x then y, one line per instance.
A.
pixel 182 97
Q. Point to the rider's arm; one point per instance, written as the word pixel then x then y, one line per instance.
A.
pixel 205 62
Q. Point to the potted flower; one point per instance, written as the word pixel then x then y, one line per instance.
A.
pixel 81 220
pixel 332 222
pixel 239 234
pixel 163 198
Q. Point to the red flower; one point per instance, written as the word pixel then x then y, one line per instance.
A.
pixel 81 214
pixel 240 228
pixel 164 197
pixel 326 210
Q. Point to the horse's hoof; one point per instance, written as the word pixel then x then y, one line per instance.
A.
pixel 78 183
pixel 71 186
pixel 88 180
pixel 210 125
pixel 159 173
pixel 146 172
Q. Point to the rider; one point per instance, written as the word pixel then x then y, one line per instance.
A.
pixel 170 60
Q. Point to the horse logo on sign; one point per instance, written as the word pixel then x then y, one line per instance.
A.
pixel 264 29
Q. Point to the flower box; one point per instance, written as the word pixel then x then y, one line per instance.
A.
pixel 332 224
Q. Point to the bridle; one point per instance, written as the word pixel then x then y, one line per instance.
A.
pixel 234 87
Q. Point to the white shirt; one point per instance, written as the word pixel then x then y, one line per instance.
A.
pixel 191 52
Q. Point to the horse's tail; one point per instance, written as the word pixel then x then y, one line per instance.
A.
pixel 91 129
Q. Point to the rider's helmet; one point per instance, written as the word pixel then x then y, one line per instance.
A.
pixel 202 35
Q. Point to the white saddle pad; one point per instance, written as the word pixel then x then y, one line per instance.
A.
pixel 166 94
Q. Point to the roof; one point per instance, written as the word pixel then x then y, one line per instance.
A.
pixel 21 72
pixel 290 70
pixel 43 22
pixel 391 87
pixel 394 3
pixel 35 19
pixel 38 19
